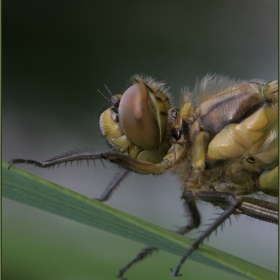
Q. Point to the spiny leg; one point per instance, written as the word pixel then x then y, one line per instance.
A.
pixel 233 201
pixel 129 163
pixel 194 222
pixel 125 161
pixel 142 255
pixel 76 156
pixel 112 186
pixel 64 158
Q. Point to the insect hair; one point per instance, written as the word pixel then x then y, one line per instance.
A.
pixel 157 86
pixel 209 86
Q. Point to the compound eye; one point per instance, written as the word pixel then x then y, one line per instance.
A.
pixel 139 117
pixel 115 99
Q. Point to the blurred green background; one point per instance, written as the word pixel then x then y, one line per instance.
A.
pixel 56 54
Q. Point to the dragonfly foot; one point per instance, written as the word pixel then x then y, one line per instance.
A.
pixel 175 273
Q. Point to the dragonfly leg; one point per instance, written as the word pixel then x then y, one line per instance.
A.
pixel 64 158
pixel 132 164
pixel 142 255
pixel 26 161
pixel 194 221
pixel 75 156
pixel 113 185
pixel 233 201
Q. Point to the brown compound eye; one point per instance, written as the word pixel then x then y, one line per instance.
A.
pixel 139 119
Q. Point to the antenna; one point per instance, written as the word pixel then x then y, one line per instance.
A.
pixel 104 95
pixel 108 90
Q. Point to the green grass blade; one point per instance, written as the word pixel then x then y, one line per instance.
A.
pixel 27 188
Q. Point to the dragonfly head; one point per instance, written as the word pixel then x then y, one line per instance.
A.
pixel 137 121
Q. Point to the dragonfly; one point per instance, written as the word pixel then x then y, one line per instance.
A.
pixel 222 143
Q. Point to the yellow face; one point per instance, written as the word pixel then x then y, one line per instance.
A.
pixel 137 123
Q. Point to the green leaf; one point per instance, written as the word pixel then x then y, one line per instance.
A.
pixel 34 191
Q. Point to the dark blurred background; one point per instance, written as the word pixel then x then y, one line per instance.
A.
pixel 55 55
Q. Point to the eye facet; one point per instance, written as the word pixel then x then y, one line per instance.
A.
pixel 139 117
